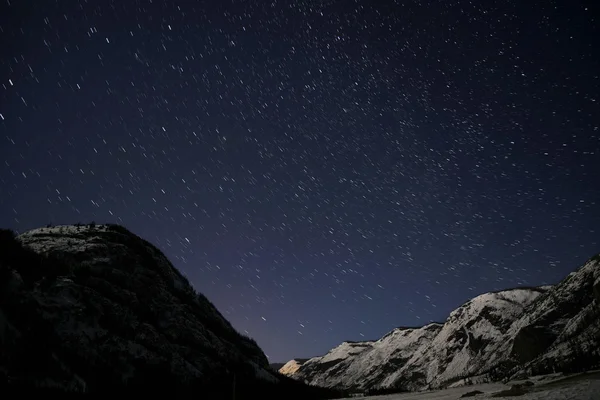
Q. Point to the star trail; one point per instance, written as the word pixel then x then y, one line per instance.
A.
pixel 321 170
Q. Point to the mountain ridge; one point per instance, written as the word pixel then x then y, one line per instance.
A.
pixel 488 337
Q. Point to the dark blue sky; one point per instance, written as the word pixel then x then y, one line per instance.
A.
pixel 321 170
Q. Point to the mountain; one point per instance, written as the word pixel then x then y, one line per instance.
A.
pixel 96 309
pixel 509 333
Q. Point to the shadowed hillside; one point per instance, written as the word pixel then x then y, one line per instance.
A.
pixel 94 309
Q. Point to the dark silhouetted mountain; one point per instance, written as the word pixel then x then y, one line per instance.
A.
pixel 96 309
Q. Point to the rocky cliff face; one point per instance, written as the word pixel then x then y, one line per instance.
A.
pixel 562 328
pixel 360 365
pixel 495 335
pixel 97 309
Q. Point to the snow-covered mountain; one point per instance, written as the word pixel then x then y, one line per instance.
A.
pixel 95 308
pixel 493 336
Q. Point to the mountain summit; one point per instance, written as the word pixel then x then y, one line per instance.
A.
pixel 509 333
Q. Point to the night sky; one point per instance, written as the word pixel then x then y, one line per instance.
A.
pixel 321 170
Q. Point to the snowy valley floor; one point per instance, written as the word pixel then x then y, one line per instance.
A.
pixel 575 387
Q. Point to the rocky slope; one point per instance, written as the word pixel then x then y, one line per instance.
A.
pixel 513 332
pixel 95 309
pixel 561 330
